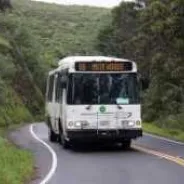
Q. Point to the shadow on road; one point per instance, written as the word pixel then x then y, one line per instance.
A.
pixel 88 148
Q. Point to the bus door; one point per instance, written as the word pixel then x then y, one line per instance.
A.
pixel 56 104
pixel 106 113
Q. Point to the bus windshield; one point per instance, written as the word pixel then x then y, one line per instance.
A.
pixel 91 89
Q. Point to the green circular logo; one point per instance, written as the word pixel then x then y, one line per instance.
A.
pixel 102 109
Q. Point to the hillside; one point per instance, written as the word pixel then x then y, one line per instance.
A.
pixel 34 36
pixel 63 29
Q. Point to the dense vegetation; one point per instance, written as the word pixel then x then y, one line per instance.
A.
pixel 16 165
pixel 153 36
pixel 33 36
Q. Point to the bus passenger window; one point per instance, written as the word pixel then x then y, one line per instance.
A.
pixel 58 90
pixel 51 86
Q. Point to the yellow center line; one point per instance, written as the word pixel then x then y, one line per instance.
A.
pixel 171 158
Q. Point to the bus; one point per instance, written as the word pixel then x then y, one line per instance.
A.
pixel 93 99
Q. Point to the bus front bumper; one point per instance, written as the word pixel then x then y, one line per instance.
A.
pixel 103 135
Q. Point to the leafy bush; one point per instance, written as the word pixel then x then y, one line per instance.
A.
pixel 153 37
pixel 12 111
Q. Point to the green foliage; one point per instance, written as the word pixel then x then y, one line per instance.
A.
pixel 4 44
pixel 33 36
pixel 16 165
pixel 62 30
pixel 18 60
pixel 12 111
pixel 5 4
pixel 172 133
pixel 165 92
pixel 111 41
pixel 154 37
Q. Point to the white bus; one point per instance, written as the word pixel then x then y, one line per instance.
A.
pixel 93 98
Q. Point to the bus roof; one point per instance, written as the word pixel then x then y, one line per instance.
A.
pixel 68 62
pixel 73 59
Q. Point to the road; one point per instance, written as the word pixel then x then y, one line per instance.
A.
pixel 151 160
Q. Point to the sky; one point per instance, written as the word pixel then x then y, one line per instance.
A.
pixel 100 3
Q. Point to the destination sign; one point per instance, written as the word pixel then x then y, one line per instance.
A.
pixel 103 66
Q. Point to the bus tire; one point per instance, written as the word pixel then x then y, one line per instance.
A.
pixel 62 140
pixel 126 144
pixel 52 136
pixel 65 143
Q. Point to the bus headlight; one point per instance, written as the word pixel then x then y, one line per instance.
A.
pixel 78 124
pixel 128 124
pixel 73 124
pixel 131 124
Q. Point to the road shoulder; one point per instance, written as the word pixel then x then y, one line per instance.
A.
pixel 42 159
pixel 173 135
pixel 16 164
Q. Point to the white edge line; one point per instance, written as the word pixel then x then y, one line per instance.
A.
pixel 54 156
pixel 163 138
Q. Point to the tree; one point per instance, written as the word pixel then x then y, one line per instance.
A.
pixel 5 4
pixel 114 39
pixel 154 37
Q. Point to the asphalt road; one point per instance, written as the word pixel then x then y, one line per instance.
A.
pixel 99 164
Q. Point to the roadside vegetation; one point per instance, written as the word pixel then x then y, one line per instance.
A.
pixel 33 36
pixel 16 165
pixel 151 33
pixel 173 134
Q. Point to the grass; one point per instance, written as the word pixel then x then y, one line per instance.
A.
pixel 174 134
pixel 16 165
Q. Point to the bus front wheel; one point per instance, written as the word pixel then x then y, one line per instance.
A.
pixel 52 136
pixel 62 139
pixel 65 143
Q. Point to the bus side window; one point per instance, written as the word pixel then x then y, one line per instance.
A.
pixel 47 88
pixel 58 97
pixel 51 88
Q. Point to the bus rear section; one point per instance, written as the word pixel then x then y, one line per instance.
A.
pixel 97 105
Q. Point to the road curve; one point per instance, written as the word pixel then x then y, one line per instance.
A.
pixel 102 165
